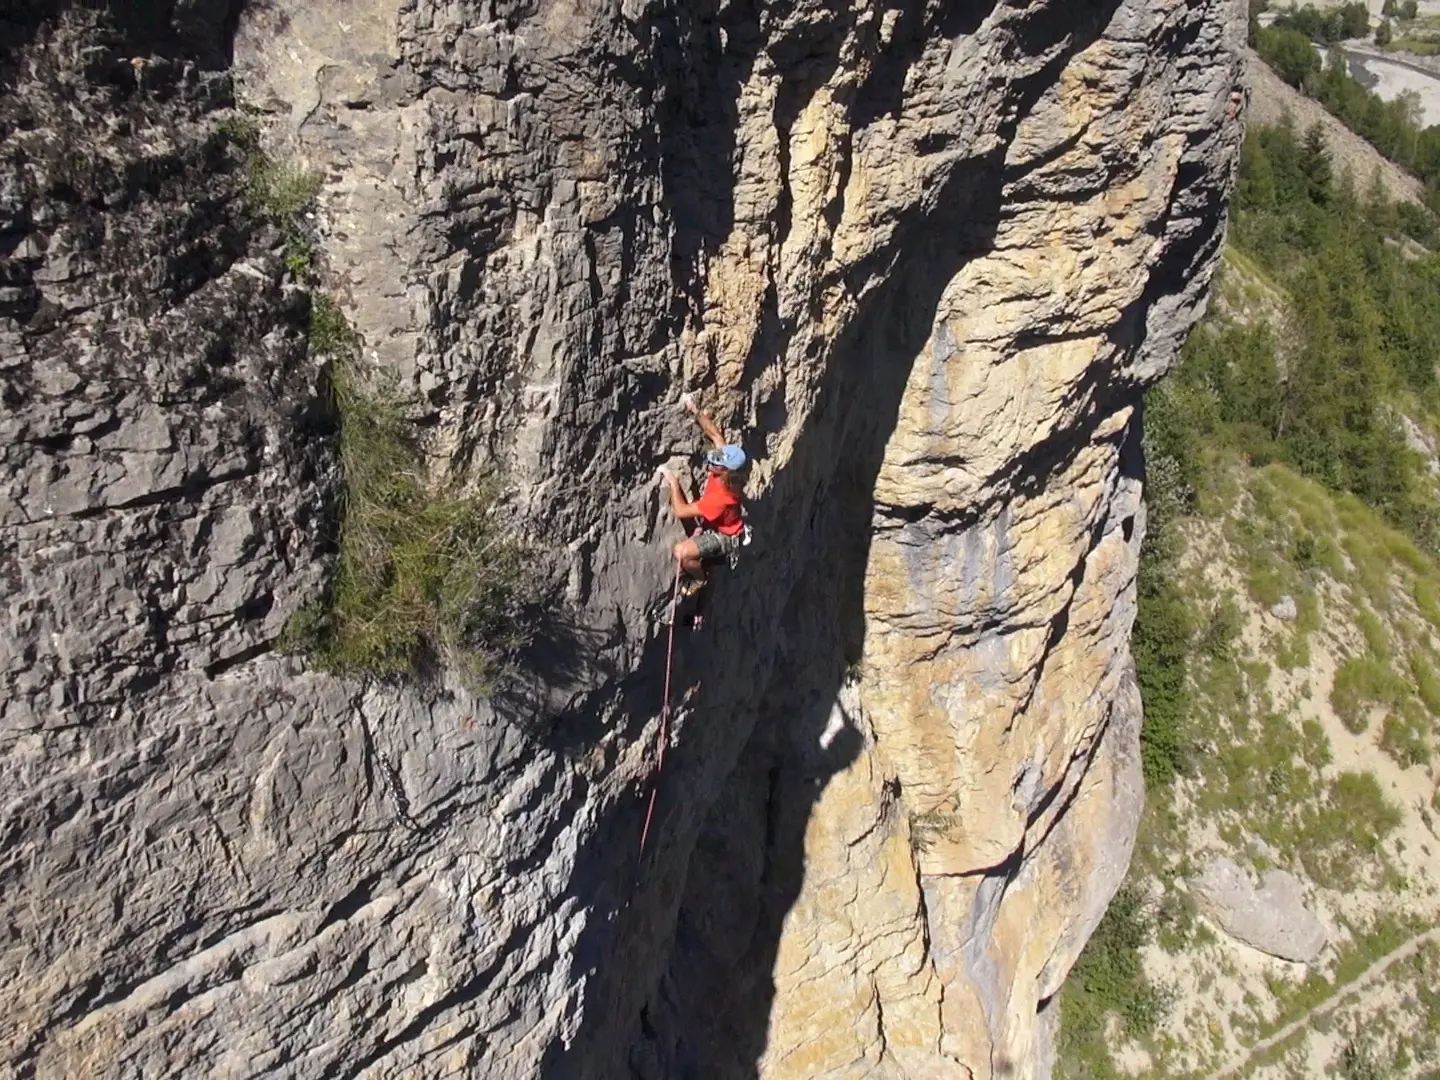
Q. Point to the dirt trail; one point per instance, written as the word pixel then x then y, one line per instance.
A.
pixel 1349 990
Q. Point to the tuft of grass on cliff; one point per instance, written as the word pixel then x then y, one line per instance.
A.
pixel 281 192
pixel 426 576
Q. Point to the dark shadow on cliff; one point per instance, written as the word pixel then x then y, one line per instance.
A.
pixel 168 31
pixel 710 1015
pixel 545 692
pixel 703 53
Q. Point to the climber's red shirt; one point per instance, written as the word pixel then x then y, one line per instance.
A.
pixel 720 507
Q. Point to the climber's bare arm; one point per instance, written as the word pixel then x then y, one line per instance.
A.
pixel 708 426
pixel 683 510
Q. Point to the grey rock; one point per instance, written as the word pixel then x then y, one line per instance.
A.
pixel 218 862
pixel 1284 608
pixel 1272 918
pixel 1263 848
pixel 1419 440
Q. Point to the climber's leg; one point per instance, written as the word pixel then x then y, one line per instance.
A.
pixel 687 552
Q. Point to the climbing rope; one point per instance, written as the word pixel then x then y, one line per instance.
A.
pixel 664 710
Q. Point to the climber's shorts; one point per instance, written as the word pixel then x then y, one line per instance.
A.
pixel 716 545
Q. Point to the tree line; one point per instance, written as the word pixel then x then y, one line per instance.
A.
pixel 1362 333
pixel 1327 25
pixel 1392 127
pixel 1326 384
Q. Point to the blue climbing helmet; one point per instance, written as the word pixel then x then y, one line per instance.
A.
pixel 727 457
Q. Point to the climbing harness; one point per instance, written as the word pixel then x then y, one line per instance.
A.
pixel 664 712
pixel 744 540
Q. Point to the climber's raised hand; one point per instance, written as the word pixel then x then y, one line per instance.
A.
pixel 708 426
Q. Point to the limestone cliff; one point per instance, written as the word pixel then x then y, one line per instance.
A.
pixel 924 256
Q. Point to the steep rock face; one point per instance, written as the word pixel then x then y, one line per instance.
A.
pixel 923 257
pixel 953 871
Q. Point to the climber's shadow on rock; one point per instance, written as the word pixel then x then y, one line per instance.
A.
pixel 544 688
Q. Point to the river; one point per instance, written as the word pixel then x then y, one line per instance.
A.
pixel 1390 75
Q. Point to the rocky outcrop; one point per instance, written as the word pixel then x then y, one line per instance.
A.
pixel 922 259
pixel 1272 918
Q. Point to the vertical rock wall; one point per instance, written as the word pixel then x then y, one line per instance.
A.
pixel 953 871
pixel 921 259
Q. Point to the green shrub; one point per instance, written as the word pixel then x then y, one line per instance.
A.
pixel 282 193
pixel 1305 553
pixel 286 195
pixel 1371 567
pixel 1405 738
pixel 1339 839
pixel 1109 979
pixel 1427 601
pixel 1221 630
pixel 1359 1061
pixel 1314 744
pixel 242 130
pixel 930 826
pixel 330 335
pixel 1160 639
pixel 1264 776
pixel 1359 682
pixel 1361 810
pixel 1427 683
pixel 1176 921
pixel 1332 560
pixel 1290 53
pixel 1295 653
pixel 1377 639
pixel 1406 553
pixel 423 576
pixel 1265 580
pixel 1160 642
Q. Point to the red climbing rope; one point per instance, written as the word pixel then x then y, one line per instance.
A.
pixel 664 711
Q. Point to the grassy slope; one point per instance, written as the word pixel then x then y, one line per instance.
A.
pixel 1344 797
pixel 1305 743
pixel 1297 765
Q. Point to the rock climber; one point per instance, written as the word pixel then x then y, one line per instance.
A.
pixel 717 511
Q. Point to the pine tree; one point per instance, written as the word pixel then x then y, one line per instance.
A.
pixel 1315 164
pixel 1256 190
